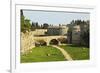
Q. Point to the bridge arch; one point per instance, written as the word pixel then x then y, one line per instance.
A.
pixel 49 40
pixel 54 42
pixel 63 40
pixel 40 43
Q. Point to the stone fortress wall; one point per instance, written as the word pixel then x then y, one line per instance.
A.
pixel 27 42
pixel 40 32
pixel 57 30
pixel 28 39
pixel 76 32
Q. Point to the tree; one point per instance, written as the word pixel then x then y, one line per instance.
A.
pixel 84 29
pixel 85 38
pixel 33 26
pixel 45 26
pixel 59 24
pixel 22 21
pixel 25 23
pixel 69 34
pixel 22 13
pixel 37 25
pixel 72 22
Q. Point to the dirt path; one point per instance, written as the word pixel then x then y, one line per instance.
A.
pixel 65 53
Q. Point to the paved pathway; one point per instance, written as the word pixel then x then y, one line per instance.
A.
pixel 65 53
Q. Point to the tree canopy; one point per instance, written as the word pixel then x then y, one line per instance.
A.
pixel 25 23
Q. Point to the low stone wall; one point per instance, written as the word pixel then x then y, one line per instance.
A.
pixel 27 42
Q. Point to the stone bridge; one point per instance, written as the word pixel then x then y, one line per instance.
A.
pixel 28 40
pixel 47 39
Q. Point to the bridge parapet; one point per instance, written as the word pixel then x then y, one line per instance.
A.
pixel 47 39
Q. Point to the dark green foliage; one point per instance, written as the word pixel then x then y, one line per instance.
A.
pixel 25 23
pixel 33 26
pixel 85 38
pixel 69 35
pixel 85 34
pixel 84 27
pixel 45 26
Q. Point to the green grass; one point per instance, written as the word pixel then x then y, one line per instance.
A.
pixel 43 54
pixel 77 52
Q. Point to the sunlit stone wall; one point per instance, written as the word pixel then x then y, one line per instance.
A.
pixel 27 42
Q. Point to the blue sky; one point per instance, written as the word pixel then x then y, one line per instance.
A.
pixel 54 18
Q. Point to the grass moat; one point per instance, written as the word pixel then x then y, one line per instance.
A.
pixel 49 53
pixel 43 54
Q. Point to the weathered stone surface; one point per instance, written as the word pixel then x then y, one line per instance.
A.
pixel 27 42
